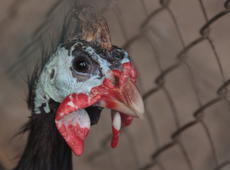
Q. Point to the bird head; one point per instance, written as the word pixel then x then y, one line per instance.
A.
pixel 85 75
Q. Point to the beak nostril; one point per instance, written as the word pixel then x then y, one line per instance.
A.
pixel 94 91
pixel 116 81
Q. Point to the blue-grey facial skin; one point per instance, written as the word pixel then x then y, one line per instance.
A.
pixel 58 78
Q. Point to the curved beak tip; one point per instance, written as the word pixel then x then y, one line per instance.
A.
pixel 126 99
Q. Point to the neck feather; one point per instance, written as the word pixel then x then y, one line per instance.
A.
pixel 45 148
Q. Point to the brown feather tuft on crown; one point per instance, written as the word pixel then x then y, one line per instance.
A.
pixel 91 27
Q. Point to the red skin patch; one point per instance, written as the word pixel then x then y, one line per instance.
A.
pixel 115 137
pixel 74 136
pixel 126 120
pixel 80 101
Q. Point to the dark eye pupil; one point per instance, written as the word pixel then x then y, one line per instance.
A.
pixel 81 65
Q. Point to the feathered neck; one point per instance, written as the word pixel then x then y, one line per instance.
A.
pixel 45 148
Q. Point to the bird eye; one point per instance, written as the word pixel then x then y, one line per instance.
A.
pixel 82 64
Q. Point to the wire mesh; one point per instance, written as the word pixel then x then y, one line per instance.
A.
pixel 161 84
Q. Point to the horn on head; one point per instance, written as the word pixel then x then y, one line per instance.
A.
pixel 91 27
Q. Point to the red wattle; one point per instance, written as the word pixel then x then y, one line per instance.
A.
pixel 115 137
pixel 73 124
pixel 74 136
pixel 130 71
pixel 126 120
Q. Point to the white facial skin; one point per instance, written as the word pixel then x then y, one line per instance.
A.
pixel 57 81
pixel 62 83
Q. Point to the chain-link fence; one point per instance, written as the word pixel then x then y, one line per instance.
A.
pixel 181 51
pixel 198 113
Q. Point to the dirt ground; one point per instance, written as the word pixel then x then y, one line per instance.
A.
pixel 191 85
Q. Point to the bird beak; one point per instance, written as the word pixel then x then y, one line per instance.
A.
pixel 125 99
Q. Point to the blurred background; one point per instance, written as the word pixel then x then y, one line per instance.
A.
pixel 181 50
